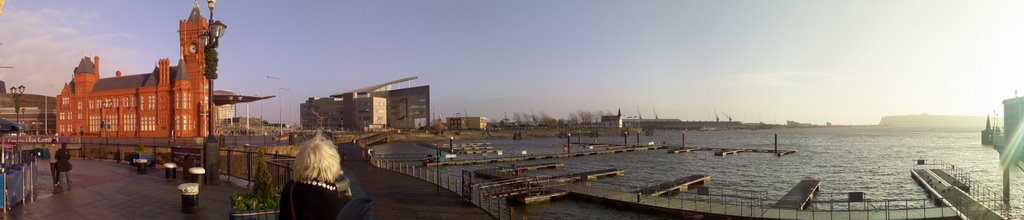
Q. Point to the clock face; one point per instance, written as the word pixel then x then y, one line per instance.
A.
pixel 193 48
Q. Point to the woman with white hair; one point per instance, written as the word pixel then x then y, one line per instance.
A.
pixel 312 193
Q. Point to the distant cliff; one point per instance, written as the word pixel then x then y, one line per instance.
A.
pixel 938 121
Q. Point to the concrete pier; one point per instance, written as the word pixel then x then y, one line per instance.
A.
pixel 586 176
pixel 719 151
pixel 681 184
pixel 509 172
pixel 799 197
pixel 545 156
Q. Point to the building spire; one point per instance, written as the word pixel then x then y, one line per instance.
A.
pixel 195 16
pixel 988 123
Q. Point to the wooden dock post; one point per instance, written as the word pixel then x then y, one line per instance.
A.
pixel 684 140
pixel 777 154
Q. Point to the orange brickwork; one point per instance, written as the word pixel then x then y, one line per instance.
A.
pixel 170 101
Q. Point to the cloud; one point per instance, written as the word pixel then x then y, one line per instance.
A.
pixel 762 80
pixel 45 45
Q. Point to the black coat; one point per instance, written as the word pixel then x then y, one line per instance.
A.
pixel 63 160
pixel 304 201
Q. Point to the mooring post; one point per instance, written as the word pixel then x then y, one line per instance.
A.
pixel 568 142
pixel 777 154
pixel 684 139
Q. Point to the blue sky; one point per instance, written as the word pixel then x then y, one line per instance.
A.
pixel 846 62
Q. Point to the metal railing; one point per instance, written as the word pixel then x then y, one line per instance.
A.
pixel 496 207
pixel 241 163
pixel 752 204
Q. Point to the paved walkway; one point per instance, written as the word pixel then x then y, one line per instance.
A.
pixel 107 190
pixel 397 196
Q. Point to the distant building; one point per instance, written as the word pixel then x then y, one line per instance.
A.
pixel 794 124
pixel 405 108
pixel 37 111
pixel 467 123
pixel 322 113
pixel 612 121
pixel 371 112
pixel 652 123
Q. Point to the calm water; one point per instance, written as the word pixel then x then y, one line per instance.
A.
pixel 873 160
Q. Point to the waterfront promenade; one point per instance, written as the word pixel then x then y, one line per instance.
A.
pixel 108 190
pixel 398 196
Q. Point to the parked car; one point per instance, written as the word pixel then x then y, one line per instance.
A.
pixel 9 127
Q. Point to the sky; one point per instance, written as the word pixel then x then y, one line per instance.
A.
pixel 844 62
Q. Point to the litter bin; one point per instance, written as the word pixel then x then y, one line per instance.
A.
pixel 189 197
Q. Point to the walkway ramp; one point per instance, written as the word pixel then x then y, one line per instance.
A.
pixel 951 180
pixel 799 197
pixel 969 207
pixel 681 184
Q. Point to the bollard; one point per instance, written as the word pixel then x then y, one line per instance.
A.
pixel 196 174
pixel 170 171
pixel 189 197
pixel 140 166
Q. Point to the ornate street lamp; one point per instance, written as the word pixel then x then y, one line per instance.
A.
pixel 17 92
pixel 105 104
pixel 210 41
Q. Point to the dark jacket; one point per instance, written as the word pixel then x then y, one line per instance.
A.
pixel 304 201
pixel 63 160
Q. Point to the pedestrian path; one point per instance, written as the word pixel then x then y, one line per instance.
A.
pixel 108 190
pixel 398 196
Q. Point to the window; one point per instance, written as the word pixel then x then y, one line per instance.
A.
pixel 124 101
pixel 152 102
pixel 79 108
pixel 112 123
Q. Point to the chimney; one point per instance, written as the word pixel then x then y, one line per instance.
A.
pixel 96 64
pixel 118 73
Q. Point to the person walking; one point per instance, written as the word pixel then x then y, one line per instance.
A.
pixel 64 163
pixel 52 149
pixel 312 193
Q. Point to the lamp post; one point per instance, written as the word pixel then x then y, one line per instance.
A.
pixel 451 144
pixel 280 102
pixel 568 142
pixel 103 123
pixel 17 92
pixel 210 41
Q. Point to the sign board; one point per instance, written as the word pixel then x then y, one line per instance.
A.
pixel 703 190
pixel 41 139
pixel 856 196
pixel 179 155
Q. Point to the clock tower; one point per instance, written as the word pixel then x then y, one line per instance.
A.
pixel 194 54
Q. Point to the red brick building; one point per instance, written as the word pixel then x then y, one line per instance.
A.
pixel 169 101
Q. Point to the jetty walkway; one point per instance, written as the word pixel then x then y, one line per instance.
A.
pixel 716 207
pixel 942 186
pixel 399 196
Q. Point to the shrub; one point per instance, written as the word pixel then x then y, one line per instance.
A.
pixel 263 195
